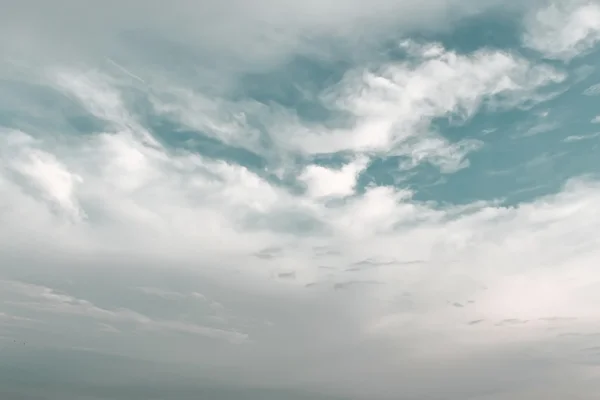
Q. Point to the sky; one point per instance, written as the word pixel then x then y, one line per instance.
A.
pixel 301 200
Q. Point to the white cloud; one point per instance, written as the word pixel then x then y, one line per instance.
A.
pixel 395 105
pixel 360 291
pixel 502 265
pixel 52 178
pixel 213 117
pixel 564 30
pixel 391 108
pixel 328 182
pixel 593 90
pixel 437 151
pixel 577 138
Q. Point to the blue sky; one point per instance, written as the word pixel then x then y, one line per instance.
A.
pixel 301 200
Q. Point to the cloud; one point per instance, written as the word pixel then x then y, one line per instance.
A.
pixel 231 238
pixel 532 262
pixel 564 30
pixel 46 300
pixel 395 105
pixel 167 294
pixel 234 34
pixel 576 138
pixel 55 183
pixel 326 182
pixel 593 90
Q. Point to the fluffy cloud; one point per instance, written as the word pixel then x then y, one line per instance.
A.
pixel 326 182
pixel 564 30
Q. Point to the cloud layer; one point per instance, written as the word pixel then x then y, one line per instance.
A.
pixel 253 243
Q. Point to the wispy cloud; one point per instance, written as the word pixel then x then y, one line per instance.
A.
pixel 394 105
pixel 564 30
pixel 593 90
pixel 577 138
pixel 43 299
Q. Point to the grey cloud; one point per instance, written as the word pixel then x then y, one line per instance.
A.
pixel 323 251
pixel 475 322
pixel 41 299
pixel 287 275
pixel 370 263
pixel 348 284
pixel 307 345
pixel 326 267
pixel 512 321
pixel 233 34
pixel 270 253
pixel 558 319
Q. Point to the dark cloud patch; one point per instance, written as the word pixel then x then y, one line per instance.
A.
pixel 287 275
pixel 349 284
pixel 512 322
pixel 269 253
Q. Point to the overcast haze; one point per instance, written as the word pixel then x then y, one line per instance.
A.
pixel 329 200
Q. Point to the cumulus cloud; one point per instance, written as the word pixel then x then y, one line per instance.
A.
pixel 327 182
